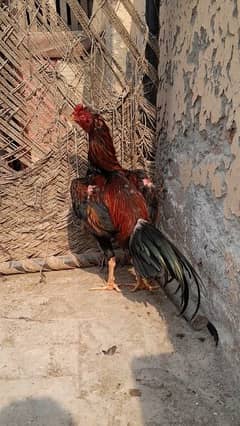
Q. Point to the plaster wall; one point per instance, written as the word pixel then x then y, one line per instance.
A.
pixel 199 150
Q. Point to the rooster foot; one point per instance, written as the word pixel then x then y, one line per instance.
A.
pixel 111 285
pixel 143 284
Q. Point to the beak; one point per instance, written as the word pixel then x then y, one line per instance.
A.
pixel 71 118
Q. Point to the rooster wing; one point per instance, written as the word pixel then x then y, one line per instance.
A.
pixel 93 212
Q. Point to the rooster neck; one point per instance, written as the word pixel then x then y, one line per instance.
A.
pixel 101 152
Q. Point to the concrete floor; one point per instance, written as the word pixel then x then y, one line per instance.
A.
pixel 57 367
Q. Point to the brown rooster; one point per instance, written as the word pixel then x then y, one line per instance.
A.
pixel 114 208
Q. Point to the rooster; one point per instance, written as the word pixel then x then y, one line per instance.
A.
pixel 114 208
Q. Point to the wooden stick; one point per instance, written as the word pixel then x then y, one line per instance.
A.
pixel 52 263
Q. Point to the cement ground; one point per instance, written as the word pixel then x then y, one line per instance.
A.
pixel 70 356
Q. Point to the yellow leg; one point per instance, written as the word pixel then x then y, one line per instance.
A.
pixel 111 285
pixel 143 284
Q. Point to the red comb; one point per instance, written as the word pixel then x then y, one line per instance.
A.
pixel 79 108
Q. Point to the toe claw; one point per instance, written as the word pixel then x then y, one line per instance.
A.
pixel 110 286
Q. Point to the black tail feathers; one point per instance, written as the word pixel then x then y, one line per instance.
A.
pixel 151 252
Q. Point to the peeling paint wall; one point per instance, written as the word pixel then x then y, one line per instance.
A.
pixel 199 149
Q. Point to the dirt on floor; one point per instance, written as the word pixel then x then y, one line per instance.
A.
pixel 71 356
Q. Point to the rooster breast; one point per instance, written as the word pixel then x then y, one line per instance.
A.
pixel 125 204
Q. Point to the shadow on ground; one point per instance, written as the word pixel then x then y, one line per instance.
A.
pixel 190 382
pixel 38 412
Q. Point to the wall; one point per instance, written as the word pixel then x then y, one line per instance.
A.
pixel 198 147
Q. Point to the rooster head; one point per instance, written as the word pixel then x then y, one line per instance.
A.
pixel 83 117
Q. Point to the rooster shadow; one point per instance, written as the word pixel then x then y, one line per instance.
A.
pixel 189 381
